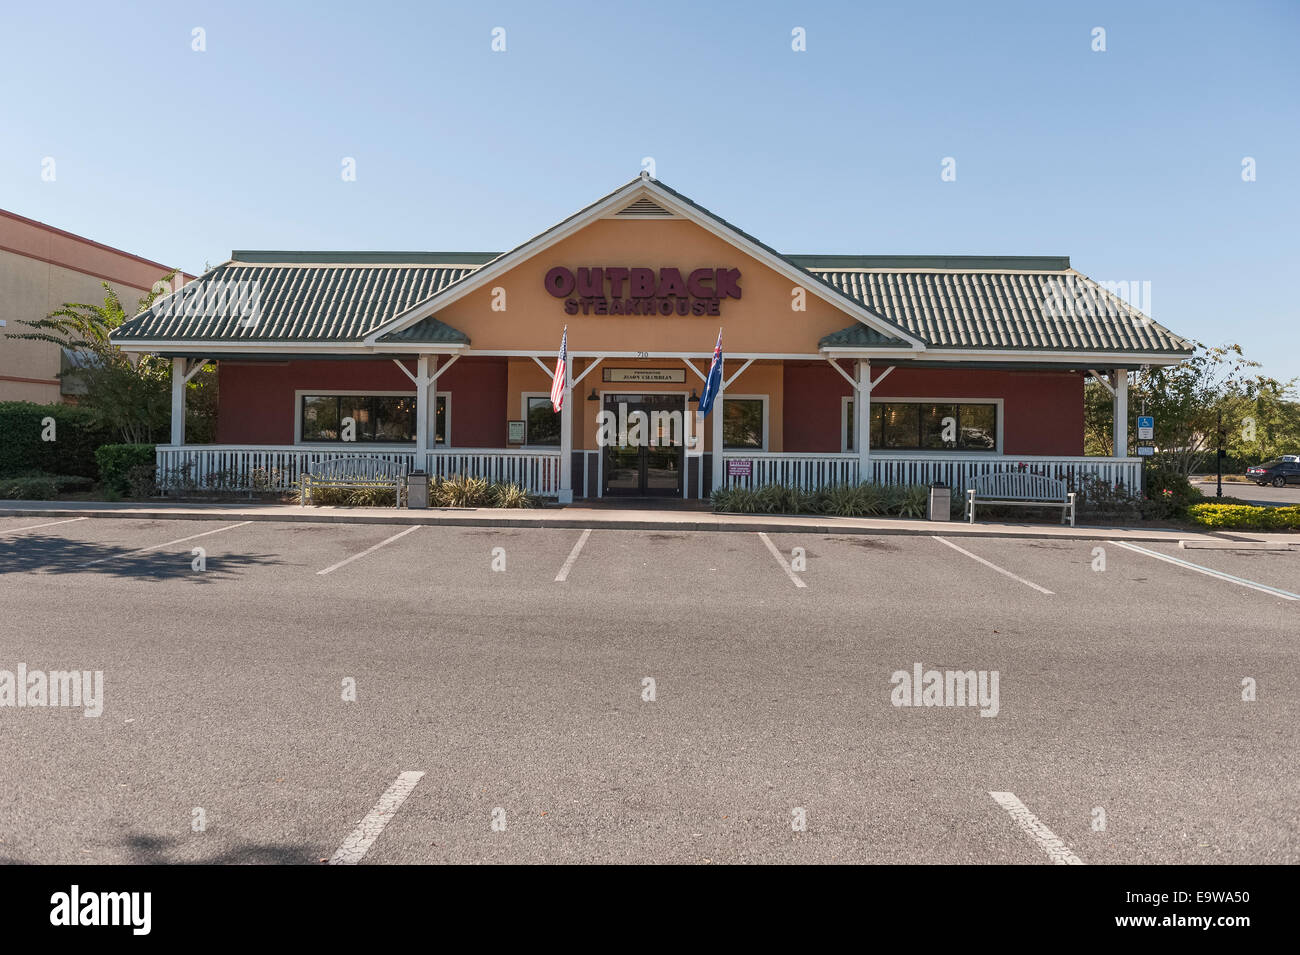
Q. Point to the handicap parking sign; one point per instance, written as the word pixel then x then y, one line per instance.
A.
pixel 1146 427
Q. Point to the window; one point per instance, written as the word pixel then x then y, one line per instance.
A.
pixel 381 419
pixel 543 421
pixel 911 425
pixel 743 427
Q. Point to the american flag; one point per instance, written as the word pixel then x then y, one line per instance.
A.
pixel 561 363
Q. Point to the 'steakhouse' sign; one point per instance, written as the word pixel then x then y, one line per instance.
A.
pixel 611 290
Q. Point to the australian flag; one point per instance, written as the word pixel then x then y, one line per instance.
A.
pixel 713 383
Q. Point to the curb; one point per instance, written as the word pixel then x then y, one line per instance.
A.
pixel 408 517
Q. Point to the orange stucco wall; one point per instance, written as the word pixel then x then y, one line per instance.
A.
pixel 760 321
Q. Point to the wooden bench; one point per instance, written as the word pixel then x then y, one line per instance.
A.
pixel 358 472
pixel 1019 489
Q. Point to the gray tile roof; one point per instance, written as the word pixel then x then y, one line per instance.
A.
pixel 1033 309
pixel 266 302
pixel 427 331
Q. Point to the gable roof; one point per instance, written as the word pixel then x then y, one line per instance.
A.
pixel 635 193
pixel 347 302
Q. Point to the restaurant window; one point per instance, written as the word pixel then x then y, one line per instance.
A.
pixel 927 426
pixel 377 419
pixel 742 423
pixel 543 421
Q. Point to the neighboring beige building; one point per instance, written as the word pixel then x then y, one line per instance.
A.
pixel 41 268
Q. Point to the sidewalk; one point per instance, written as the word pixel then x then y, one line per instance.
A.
pixel 578 516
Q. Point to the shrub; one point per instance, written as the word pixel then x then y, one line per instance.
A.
pixel 117 461
pixel 1168 492
pixel 912 500
pixel 1245 516
pixel 461 492
pixel 511 495
pixel 23 428
pixel 30 488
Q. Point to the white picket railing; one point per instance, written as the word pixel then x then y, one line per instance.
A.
pixel 811 471
pixel 535 471
pixel 806 471
pixel 225 467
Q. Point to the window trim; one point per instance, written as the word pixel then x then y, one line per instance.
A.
pixel 844 424
pixel 727 396
pixel 523 413
pixel 301 393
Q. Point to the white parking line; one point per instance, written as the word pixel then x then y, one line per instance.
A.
pixel 563 575
pixel 991 566
pixel 780 559
pixel 179 540
pixel 367 831
pixel 1239 581
pixel 32 527
pixel 1047 840
pixel 369 550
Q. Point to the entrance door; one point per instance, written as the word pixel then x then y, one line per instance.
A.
pixel 640 469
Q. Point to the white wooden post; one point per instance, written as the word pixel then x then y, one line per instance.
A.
pixel 421 411
pixel 178 401
pixel 715 436
pixel 1121 413
pixel 862 419
pixel 566 437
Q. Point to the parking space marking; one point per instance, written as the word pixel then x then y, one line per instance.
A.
pixel 1047 840
pixel 32 527
pixel 780 559
pixel 1239 581
pixel 358 843
pixel 369 550
pixel 563 575
pixel 179 540
pixel 992 566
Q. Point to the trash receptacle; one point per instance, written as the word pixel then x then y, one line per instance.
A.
pixel 417 489
pixel 940 502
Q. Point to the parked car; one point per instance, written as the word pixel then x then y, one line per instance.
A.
pixel 1279 472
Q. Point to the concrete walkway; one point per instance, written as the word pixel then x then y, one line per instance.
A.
pixel 577 516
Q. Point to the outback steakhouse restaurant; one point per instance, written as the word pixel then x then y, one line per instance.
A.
pixel 837 368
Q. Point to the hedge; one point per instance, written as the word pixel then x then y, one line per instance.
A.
pixel 116 462
pixel 72 450
pixel 1245 517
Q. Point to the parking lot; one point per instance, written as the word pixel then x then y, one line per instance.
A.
pixel 530 695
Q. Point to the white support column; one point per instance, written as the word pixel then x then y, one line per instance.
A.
pixel 179 379
pixel 715 436
pixel 566 437
pixel 421 411
pixel 862 419
pixel 1120 422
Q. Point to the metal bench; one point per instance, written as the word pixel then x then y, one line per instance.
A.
pixel 358 472
pixel 1019 489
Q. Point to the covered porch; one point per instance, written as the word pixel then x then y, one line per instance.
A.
pixel 573 467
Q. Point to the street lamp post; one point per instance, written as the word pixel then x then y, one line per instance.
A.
pixel 1218 459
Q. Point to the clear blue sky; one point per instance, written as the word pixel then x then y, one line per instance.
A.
pixel 1129 161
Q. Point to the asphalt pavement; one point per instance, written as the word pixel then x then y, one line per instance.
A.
pixel 568 695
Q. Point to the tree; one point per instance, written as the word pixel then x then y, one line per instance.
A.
pixel 130 397
pixel 1187 400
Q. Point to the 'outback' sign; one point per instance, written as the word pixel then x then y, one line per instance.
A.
pixel 611 290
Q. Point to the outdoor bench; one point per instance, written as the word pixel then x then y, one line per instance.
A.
pixel 1019 489
pixel 362 473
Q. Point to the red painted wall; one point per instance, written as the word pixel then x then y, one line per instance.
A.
pixel 1042 410
pixel 256 399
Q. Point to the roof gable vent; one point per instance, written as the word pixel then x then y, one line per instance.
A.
pixel 644 208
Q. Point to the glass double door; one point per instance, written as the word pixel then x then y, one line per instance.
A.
pixel 633 466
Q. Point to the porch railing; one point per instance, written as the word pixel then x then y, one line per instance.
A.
pixel 811 471
pixel 223 467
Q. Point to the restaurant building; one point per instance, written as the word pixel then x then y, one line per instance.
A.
pixel 838 368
